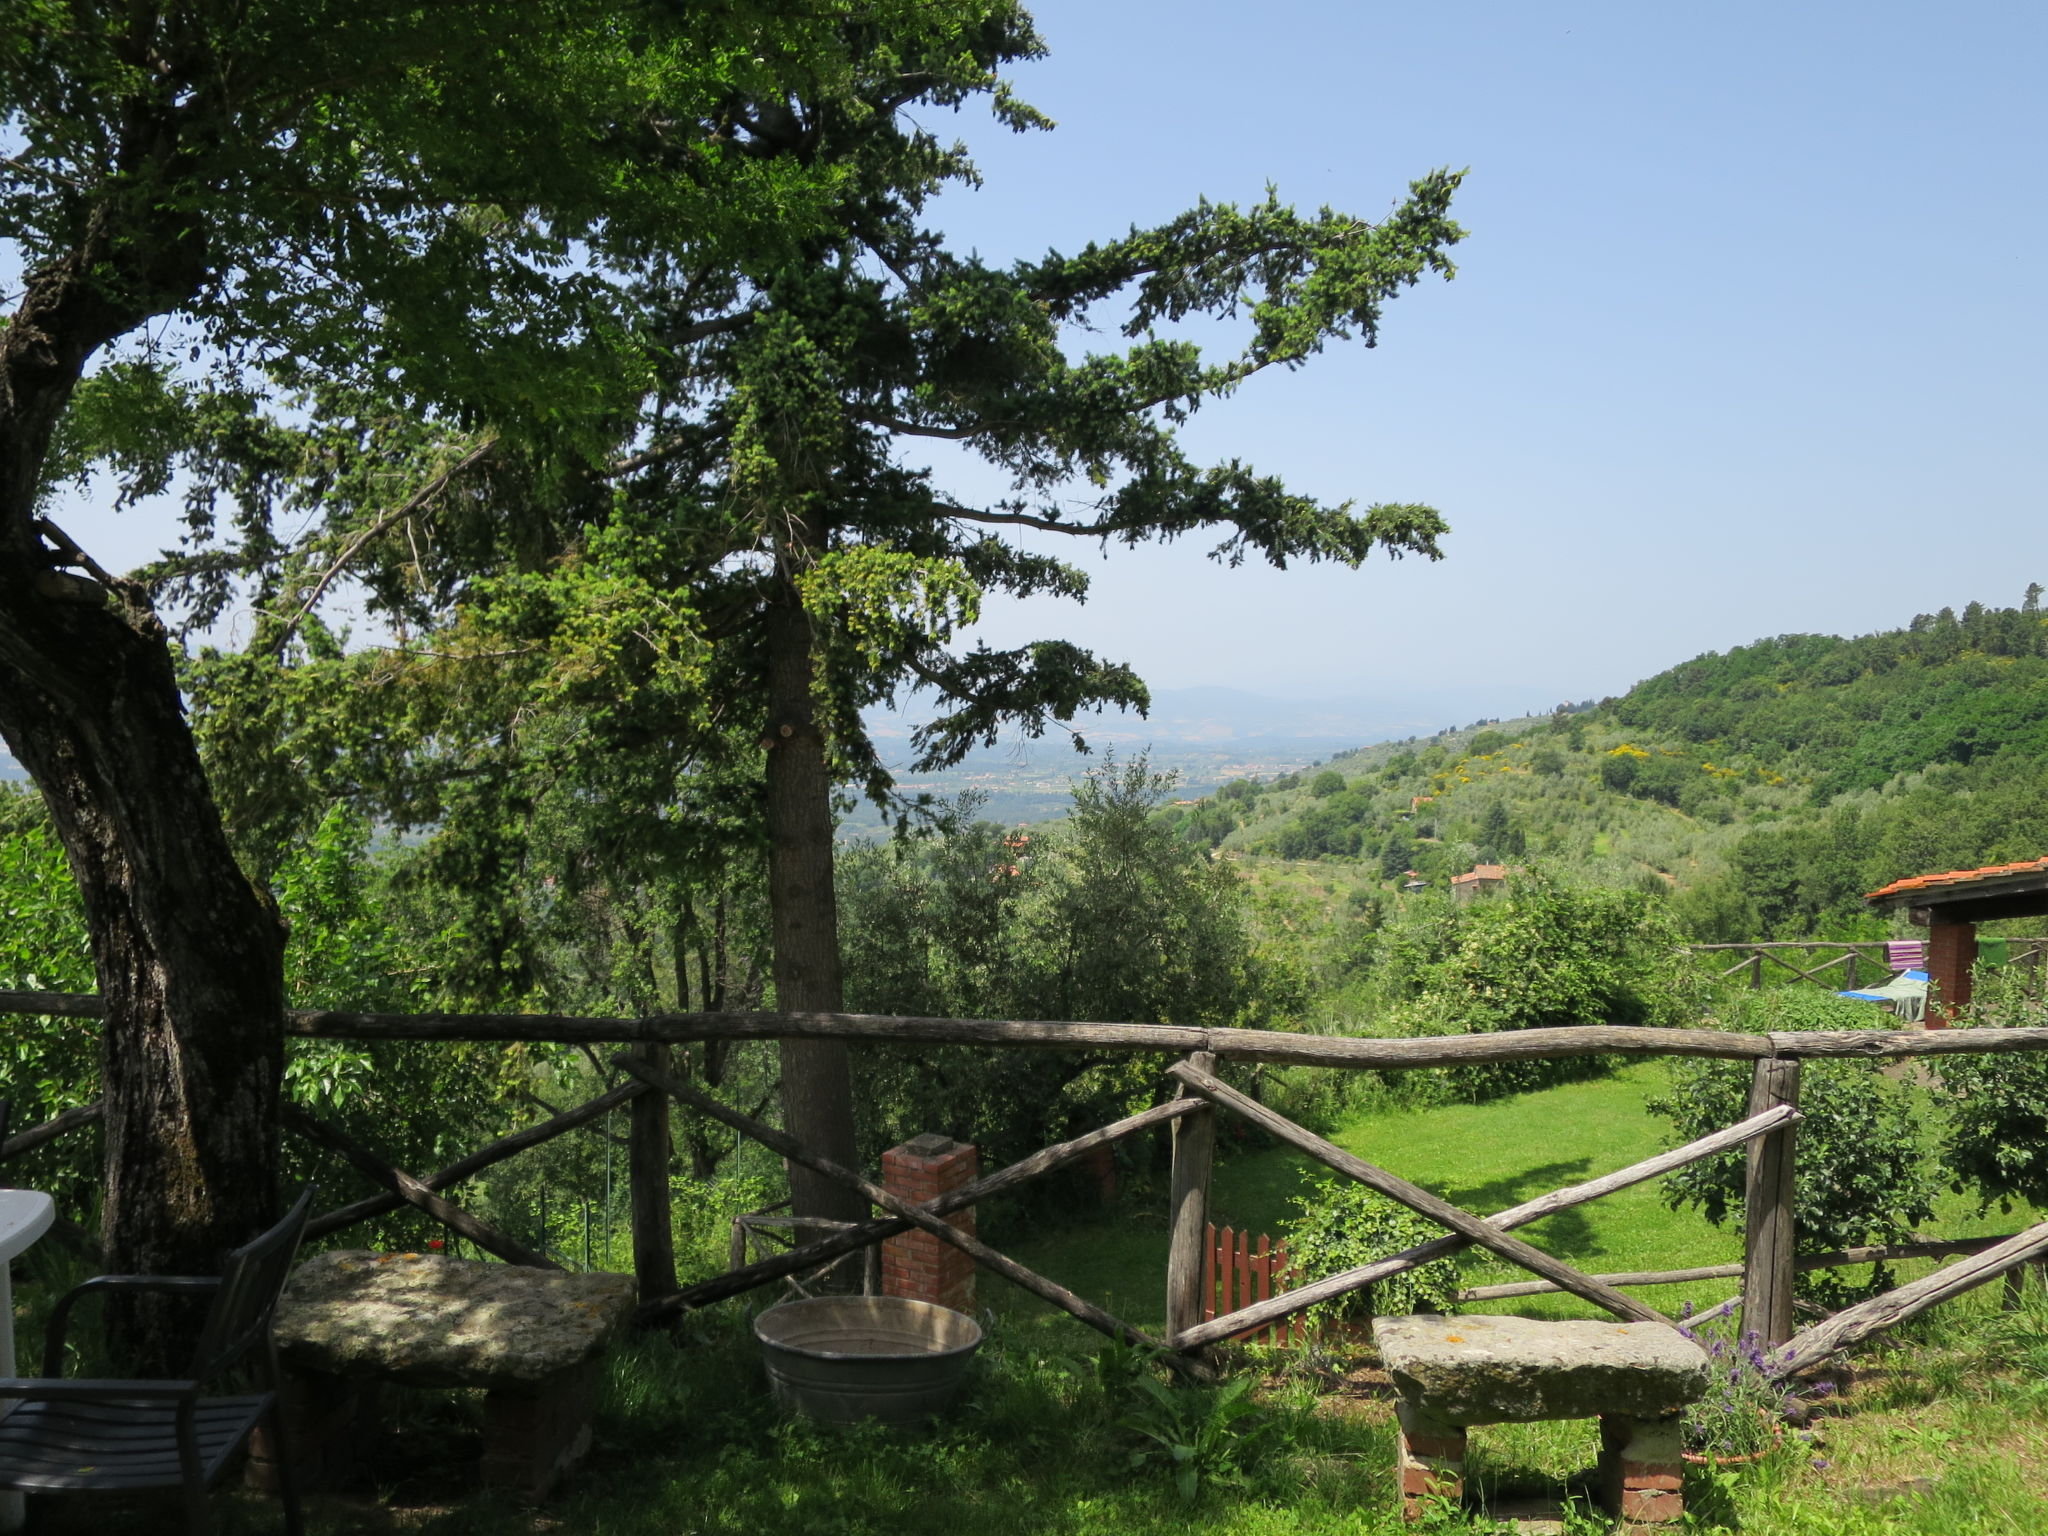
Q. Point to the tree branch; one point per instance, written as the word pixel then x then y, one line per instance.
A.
pixel 413 504
pixel 1026 520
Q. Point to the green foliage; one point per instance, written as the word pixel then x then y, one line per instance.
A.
pixel 1327 783
pixel 1107 916
pixel 1997 1138
pixel 1541 953
pixel 1996 1105
pixel 1199 1434
pixel 1342 1225
pixel 1862 1174
pixel 1808 876
pixel 47 1064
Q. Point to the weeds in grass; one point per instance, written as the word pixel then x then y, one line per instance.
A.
pixel 1200 1434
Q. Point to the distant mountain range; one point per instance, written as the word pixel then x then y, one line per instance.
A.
pixel 1207 736
pixel 1218 717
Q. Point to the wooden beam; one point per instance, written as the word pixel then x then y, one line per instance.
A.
pixel 413 1190
pixel 1187 1210
pixel 1875 1253
pixel 1767 1231
pixel 1981 909
pixel 1330 1287
pixel 478 1161
pixel 648 1157
pixel 1272 1045
pixel 51 1129
pixel 1417 1199
pixel 1854 1324
pixel 1626 1277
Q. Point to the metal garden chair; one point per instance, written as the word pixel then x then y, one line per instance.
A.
pixel 128 1436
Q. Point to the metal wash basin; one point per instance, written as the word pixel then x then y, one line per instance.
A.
pixel 844 1358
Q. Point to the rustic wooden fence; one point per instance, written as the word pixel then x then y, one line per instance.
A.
pixel 1769 1132
pixel 1853 962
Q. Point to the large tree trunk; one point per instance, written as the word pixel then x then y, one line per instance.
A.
pixel 189 957
pixel 817 1076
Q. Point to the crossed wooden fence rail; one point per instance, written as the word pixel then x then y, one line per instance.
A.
pixel 1768 1132
pixel 1857 960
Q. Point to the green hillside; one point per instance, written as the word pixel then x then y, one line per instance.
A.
pixel 1762 789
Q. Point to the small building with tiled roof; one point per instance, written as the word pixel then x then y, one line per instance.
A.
pixel 1478 881
pixel 1951 904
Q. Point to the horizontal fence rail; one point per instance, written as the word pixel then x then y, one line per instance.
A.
pixel 1255 1045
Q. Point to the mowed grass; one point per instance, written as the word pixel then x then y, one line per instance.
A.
pixel 1482 1157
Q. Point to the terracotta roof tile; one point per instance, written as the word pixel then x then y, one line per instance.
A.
pixel 1955 877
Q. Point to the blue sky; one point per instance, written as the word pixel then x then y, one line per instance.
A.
pixel 1747 336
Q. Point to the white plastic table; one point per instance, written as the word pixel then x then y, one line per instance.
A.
pixel 25 1215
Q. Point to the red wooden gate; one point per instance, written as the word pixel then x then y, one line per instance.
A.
pixel 1232 1268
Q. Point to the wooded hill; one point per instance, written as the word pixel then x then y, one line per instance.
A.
pixel 1764 789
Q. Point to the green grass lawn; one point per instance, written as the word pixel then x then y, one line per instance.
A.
pixel 1483 1157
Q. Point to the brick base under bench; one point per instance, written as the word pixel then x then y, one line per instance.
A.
pixel 350 1322
pixel 1635 1378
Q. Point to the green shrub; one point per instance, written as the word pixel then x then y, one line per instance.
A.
pixel 1997 1106
pixel 1862 1174
pixel 1541 954
pixel 1343 1225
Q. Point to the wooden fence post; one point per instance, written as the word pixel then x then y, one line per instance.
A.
pixel 1194 1151
pixel 647 1172
pixel 1849 972
pixel 1767 1257
pixel 1756 971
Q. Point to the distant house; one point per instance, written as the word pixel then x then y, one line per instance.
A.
pixel 1412 886
pixel 1478 881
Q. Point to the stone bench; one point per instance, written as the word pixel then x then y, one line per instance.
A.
pixel 1455 1372
pixel 528 1337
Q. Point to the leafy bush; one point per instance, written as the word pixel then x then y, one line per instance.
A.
pixel 1343 1225
pixel 1541 954
pixel 1997 1140
pixel 1862 1174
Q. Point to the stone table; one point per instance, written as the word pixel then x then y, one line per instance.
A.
pixel 528 1337
pixel 1454 1372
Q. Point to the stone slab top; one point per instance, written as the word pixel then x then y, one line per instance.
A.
pixel 432 1321
pixel 1495 1370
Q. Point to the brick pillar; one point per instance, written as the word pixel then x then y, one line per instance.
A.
pixel 918 1265
pixel 1431 1461
pixel 1951 951
pixel 1642 1471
